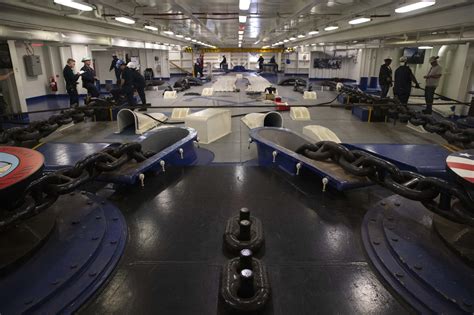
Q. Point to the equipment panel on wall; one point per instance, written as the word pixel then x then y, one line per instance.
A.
pixel 33 65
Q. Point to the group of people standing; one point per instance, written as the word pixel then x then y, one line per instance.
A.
pixel 402 82
pixel 128 78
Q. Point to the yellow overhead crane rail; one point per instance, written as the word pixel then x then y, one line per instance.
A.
pixel 243 50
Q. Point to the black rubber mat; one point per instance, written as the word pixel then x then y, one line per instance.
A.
pixel 313 249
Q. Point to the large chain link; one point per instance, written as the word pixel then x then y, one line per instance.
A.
pixel 43 192
pixel 461 137
pixel 30 135
pixel 447 199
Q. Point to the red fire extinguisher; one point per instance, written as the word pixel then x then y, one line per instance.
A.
pixel 53 85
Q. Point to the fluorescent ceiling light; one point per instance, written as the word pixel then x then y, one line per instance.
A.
pixel 240 45
pixel 306 45
pixel 425 47
pixel 264 47
pixel 241 32
pixel 75 5
pixel 359 20
pixel 285 40
pixel 322 44
pixel 292 38
pixel 300 36
pixel 242 18
pixel 244 5
pixel 124 19
pixel 313 33
pixel 168 32
pixel 415 6
pixel 151 28
pixel 187 38
pixel 179 35
pixel 331 28
pixel 313 44
pixel 193 40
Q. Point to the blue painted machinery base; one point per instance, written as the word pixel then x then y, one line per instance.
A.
pixel 414 251
pixel 76 258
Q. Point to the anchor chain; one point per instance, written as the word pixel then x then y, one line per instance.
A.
pixel 30 135
pixel 447 199
pixel 461 137
pixel 43 192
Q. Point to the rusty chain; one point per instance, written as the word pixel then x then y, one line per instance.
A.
pixel 447 199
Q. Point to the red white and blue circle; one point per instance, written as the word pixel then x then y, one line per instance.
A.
pixel 18 164
pixel 462 164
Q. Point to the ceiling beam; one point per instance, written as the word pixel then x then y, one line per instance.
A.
pixel 437 20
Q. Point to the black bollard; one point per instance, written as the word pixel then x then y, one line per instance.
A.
pixel 244 233
pixel 246 289
pixel 245 259
pixel 244 214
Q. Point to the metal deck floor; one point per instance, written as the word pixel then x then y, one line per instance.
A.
pixel 234 147
pixel 313 248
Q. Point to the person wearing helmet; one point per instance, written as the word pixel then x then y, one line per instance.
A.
pixel 385 77
pixel 89 77
pixel 116 67
pixel 403 81
pixel 432 81
pixel 139 84
pixel 127 83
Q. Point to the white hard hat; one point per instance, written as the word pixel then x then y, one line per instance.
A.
pixel 403 59
pixel 132 65
pixel 86 58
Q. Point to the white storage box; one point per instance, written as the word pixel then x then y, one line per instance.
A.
pixel 211 124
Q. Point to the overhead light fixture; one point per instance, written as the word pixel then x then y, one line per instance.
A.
pixel 179 35
pixel 321 44
pixel 415 6
pixel 331 28
pixel 241 37
pixel 75 5
pixel 242 18
pixel 187 38
pixel 151 28
pixel 168 33
pixel 193 40
pixel 240 45
pixel 300 36
pixel 425 47
pixel 313 33
pixel 306 45
pixel 292 38
pixel 241 32
pixel 265 47
pixel 360 20
pixel 313 44
pixel 244 5
pixel 285 40
pixel 125 19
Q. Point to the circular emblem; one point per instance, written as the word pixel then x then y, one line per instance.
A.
pixel 18 164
